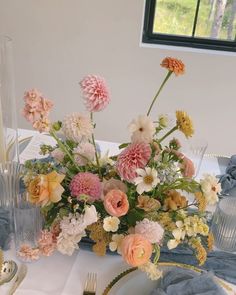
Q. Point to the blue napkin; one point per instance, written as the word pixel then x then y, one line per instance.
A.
pixel 179 281
pixel 5 229
pixel 228 180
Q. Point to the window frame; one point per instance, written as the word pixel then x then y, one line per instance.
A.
pixel 148 37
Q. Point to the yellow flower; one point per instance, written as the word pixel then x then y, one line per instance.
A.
pixel 148 204
pixel 201 254
pixel 184 123
pixel 210 241
pixel 173 65
pixel 46 189
pixel 201 200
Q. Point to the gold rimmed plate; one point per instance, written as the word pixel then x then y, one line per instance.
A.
pixel 134 281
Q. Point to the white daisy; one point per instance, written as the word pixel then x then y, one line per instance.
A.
pixel 147 179
pixel 142 129
pixel 210 188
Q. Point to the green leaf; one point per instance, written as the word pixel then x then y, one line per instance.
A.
pixel 123 145
pixel 133 216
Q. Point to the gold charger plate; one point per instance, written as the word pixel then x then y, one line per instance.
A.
pixel 137 281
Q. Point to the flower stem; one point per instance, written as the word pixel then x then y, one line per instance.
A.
pixel 96 154
pixel 158 92
pixel 167 134
pixel 63 147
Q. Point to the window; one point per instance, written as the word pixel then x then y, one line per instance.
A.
pixel 208 24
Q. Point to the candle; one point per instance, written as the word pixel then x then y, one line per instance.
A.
pixel 2 137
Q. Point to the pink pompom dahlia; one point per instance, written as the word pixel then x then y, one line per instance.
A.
pixel 135 156
pixel 86 183
pixel 95 93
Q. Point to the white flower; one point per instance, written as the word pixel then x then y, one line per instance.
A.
pixel 146 180
pixel 152 270
pixel 105 160
pixel 142 129
pixel 77 127
pixel 210 188
pixel 66 244
pixel 58 154
pixel 150 230
pixel 111 223
pixel 115 244
pixel 179 234
pixel 72 225
pixel 84 153
pixel 90 215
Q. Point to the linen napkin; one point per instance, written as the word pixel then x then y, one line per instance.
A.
pixel 5 229
pixel 228 180
pixel 187 282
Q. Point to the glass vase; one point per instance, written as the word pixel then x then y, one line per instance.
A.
pixel 8 118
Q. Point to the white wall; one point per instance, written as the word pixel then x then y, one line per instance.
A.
pixel 57 42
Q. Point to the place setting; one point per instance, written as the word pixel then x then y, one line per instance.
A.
pixel 153 215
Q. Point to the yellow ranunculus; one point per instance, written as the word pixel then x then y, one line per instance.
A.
pixel 46 189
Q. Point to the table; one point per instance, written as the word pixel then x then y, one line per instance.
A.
pixel 65 275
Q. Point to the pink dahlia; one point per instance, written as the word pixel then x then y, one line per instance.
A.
pixel 86 183
pixel 136 155
pixel 95 93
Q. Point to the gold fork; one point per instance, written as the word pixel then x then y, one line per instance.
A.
pixel 90 284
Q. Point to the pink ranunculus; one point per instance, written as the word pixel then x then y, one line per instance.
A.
pixel 95 93
pixel 116 203
pixel 86 183
pixel 136 250
pixel 136 155
pixel 150 230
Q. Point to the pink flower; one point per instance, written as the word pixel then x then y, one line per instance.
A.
pixel 116 203
pixel 77 127
pixel 150 230
pixel 42 125
pixel 136 155
pixel 46 243
pixel 45 106
pixel 84 153
pixel 32 97
pixel 27 253
pixel 136 250
pixel 95 93
pixel 58 154
pixel 31 113
pixel 86 183
pixel 186 164
pixel 113 183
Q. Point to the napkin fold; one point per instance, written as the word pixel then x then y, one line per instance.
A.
pixel 5 229
pixel 187 282
pixel 228 180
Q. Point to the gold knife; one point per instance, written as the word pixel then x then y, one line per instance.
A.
pixel 19 278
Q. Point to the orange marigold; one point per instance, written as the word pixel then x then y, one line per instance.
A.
pixel 173 65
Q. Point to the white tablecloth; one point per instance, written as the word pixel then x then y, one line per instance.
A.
pixel 64 275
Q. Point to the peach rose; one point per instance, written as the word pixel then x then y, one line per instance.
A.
pixel 46 189
pixel 136 250
pixel 113 183
pixel 116 203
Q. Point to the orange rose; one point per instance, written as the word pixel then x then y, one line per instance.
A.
pixel 46 189
pixel 116 203
pixel 136 250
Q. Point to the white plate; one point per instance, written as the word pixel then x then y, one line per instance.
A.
pixel 134 281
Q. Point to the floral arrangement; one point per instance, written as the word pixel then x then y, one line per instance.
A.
pixel 133 203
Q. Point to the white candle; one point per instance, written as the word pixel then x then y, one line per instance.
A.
pixel 2 137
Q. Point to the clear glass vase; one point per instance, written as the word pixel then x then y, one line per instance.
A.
pixel 8 118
